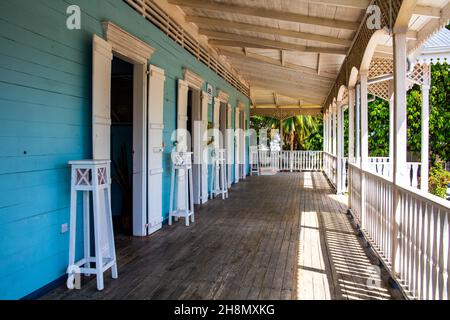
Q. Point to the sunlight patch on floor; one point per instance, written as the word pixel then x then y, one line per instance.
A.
pixel 308 180
pixel 313 282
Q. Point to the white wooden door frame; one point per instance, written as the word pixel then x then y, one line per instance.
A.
pixel 237 148
pixel 197 147
pixel 195 82
pixel 243 139
pixel 230 144
pixel 204 150
pixel 222 97
pixel 129 48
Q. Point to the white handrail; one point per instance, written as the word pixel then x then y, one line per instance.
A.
pixel 291 160
pixel 383 166
pixel 412 239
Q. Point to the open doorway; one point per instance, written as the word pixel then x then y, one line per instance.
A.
pixel 223 124
pixel 122 74
pixel 194 115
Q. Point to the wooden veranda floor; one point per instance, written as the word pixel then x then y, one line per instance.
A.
pixel 276 237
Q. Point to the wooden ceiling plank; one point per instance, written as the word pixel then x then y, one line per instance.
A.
pixel 249 73
pixel 207 22
pixel 354 4
pixel 216 37
pixel 267 13
pixel 279 70
pixel 278 85
pixel 256 58
pixel 428 11
pixel 234 44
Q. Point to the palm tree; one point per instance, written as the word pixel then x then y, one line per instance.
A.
pixel 299 129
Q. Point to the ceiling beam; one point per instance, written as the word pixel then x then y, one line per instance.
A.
pixel 279 72
pixel 285 113
pixel 411 35
pixel 267 13
pixel 288 106
pixel 235 44
pixel 384 49
pixel 296 90
pixel 354 4
pixel 205 22
pixel 427 11
pixel 256 58
pixel 294 95
pixel 273 69
pixel 216 35
pixel 289 78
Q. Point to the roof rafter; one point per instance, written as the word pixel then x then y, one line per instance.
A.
pixel 295 91
pixel 428 11
pixel 205 22
pixel 267 13
pixel 256 58
pixel 355 4
pixel 273 69
pixel 250 41
pixel 290 78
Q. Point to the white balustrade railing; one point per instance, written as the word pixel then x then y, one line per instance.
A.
pixel 330 167
pixel 380 165
pixel 291 160
pixel 383 167
pixel 344 166
pixel 301 161
pixel 417 231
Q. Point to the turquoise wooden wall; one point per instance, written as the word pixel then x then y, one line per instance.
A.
pixel 45 121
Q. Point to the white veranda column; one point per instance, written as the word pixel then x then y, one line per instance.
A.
pixel 351 125
pixel 358 122
pixel 364 143
pixel 339 147
pixel 424 157
pixel 391 125
pixel 400 144
pixel 330 129
pixel 364 126
pixel 325 131
pixel 334 129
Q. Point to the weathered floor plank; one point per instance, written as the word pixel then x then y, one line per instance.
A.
pixel 277 237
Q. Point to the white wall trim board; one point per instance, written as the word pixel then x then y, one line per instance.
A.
pixel 127 46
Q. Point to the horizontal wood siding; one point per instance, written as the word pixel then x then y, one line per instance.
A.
pixel 45 121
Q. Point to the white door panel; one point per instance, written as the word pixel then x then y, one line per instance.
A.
pixel 101 98
pixel 155 147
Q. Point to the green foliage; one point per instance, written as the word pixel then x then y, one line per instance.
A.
pixel 300 132
pixel 440 113
pixel 378 122
pixel 438 180
pixel 315 140
pixel 378 119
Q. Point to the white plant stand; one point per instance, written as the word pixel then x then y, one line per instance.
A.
pixel 254 161
pixel 92 177
pixel 182 168
pixel 219 182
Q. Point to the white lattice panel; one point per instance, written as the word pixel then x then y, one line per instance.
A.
pixel 381 67
pixel 380 89
pixel 420 75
